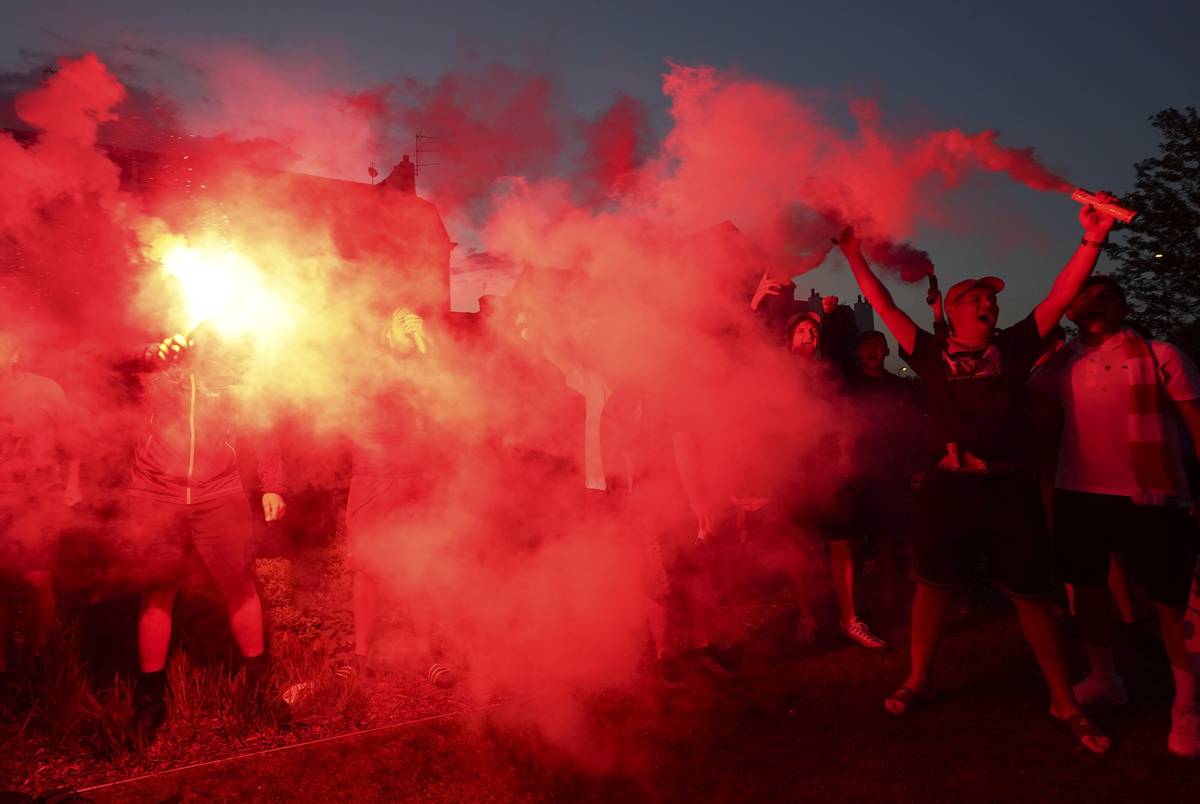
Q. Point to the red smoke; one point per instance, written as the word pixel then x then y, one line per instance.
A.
pixel 953 153
pixel 637 259
pixel 617 143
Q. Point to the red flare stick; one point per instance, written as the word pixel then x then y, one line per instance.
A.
pixel 1120 213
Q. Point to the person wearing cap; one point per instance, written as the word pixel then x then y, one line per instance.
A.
pixel 1120 487
pixel 979 495
pixel 821 509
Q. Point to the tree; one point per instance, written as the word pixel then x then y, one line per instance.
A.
pixel 1159 254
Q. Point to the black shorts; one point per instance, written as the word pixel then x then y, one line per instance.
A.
pixel 1159 542
pixel 29 533
pixel 828 519
pixel 962 516
pixel 163 534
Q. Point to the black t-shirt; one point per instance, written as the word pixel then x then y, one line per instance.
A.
pixel 977 399
pixel 890 430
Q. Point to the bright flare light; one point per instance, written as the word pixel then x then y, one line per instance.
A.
pixel 222 286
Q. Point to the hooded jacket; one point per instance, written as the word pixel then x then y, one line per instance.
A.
pixel 185 450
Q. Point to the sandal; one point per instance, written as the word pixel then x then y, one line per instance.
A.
pixel 1082 727
pixel 908 700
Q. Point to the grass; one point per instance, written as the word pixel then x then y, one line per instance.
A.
pixel 67 721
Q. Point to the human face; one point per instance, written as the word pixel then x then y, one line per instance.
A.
pixel 871 353
pixel 974 314
pixel 806 338
pixel 829 303
pixel 1098 310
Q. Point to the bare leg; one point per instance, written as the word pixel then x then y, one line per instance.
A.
pixel 1041 632
pixel 841 568
pixel 656 618
pixel 931 609
pixel 245 615
pixel 1118 584
pixel 1171 622
pixel 40 612
pixel 154 628
pixel 366 602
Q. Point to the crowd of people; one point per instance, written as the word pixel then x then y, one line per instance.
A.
pixel 1056 460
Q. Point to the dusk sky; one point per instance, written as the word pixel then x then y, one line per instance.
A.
pixel 1076 82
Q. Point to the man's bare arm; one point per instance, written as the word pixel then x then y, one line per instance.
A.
pixel 903 329
pixel 1096 226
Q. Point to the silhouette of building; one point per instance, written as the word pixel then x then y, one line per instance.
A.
pixel 864 315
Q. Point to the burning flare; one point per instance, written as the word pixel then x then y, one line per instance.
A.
pixel 219 285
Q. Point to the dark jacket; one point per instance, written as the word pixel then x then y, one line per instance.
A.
pixel 186 449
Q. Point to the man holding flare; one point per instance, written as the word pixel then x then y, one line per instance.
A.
pixel 979 494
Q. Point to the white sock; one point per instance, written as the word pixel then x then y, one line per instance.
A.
pixel 1101 657
pixel 1185 688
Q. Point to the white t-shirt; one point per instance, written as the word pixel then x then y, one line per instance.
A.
pixel 1093 385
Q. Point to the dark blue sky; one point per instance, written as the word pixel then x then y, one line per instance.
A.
pixel 1076 81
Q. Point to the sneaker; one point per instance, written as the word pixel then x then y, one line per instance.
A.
pixel 441 676
pixel 258 693
pixel 357 669
pixel 857 631
pixel 806 630
pixel 1184 739
pixel 717 663
pixel 149 707
pixel 669 670
pixel 1096 689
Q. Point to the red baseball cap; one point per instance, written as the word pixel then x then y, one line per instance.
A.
pixel 992 283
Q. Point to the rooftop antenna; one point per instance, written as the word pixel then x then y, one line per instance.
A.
pixel 426 145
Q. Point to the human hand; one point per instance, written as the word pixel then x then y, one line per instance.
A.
pixel 72 496
pixel 408 327
pixel 1096 224
pixel 273 507
pixel 847 240
pixel 170 350
pixel 767 286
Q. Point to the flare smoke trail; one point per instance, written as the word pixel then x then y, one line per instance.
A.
pixel 636 257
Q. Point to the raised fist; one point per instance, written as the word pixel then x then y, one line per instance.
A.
pixel 170 350
pixel 1096 224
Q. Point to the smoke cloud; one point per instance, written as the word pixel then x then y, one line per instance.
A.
pixel 637 262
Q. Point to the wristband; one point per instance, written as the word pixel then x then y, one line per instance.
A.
pixel 1093 243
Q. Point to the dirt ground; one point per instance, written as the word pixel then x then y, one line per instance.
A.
pixel 792 727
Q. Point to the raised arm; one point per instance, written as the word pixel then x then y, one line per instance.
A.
pixel 876 293
pixel 155 356
pixel 1096 226
pixel 687 464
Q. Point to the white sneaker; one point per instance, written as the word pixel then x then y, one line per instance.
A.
pixel 858 632
pixel 1096 689
pixel 1184 739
